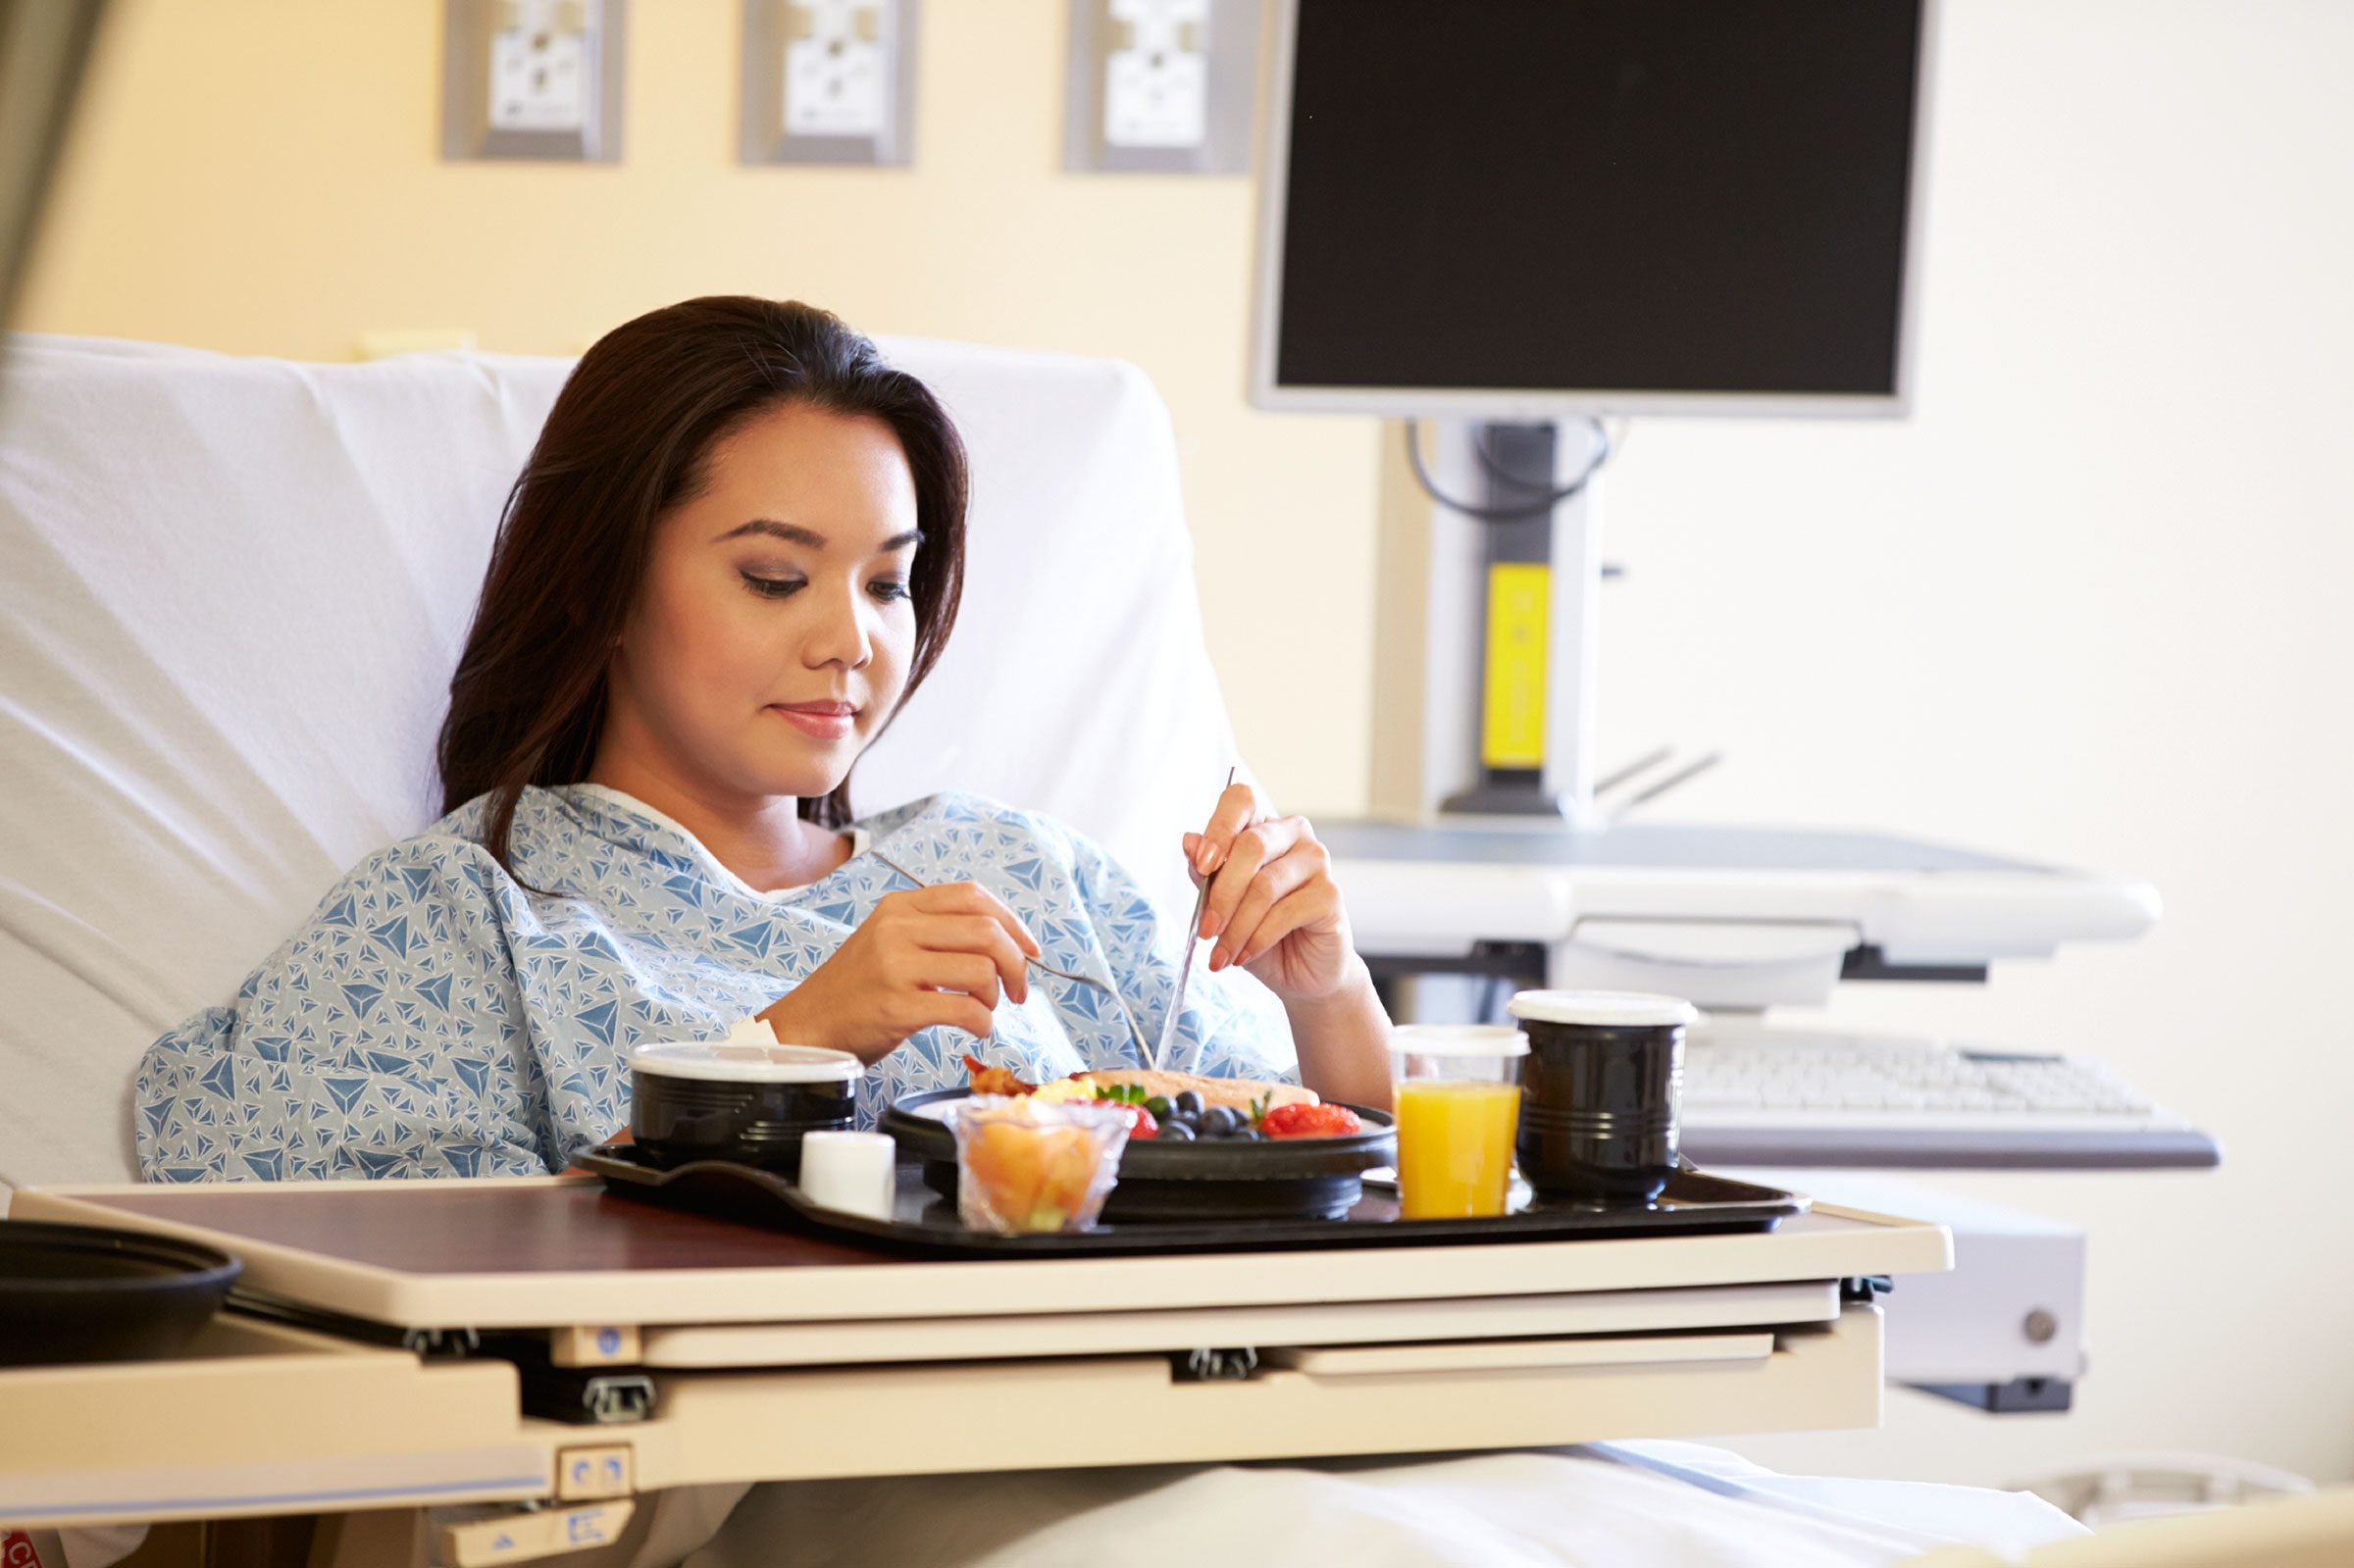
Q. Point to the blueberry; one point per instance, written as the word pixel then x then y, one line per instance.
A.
pixel 1250 1134
pixel 1187 1102
pixel 1184 1119
pixel 1176 1133
pixel 1158 1105
pixel 1220 1121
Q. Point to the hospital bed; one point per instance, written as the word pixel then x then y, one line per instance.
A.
pixel 232 589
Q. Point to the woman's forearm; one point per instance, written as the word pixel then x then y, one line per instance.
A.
pixel 1344 1041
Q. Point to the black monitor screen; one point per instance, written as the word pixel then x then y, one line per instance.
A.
pixel 1665 196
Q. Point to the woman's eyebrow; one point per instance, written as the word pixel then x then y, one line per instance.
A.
pixel 789 533
pixel 795 533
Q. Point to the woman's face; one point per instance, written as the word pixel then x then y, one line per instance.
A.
pixel 772 635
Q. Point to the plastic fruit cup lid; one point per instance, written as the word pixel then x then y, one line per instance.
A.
pixel 1607 1009
pixel 1458 1040
pixel 748 1063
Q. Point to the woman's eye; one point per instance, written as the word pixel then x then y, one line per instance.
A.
pixel 888 590
pixel 771 587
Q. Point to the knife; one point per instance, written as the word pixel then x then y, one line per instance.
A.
pixel 1185 967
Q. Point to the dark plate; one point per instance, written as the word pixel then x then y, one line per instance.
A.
pixel 86 1292
pixel 925 1224
pixel 1276 1177
pixel 915 1121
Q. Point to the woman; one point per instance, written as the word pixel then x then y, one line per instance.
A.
pixel 735 549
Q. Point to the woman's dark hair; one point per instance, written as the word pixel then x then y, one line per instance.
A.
pixel 628 440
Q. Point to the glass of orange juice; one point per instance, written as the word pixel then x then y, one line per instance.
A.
pixel 1459 1106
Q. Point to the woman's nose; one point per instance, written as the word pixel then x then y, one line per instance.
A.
pixel 842 634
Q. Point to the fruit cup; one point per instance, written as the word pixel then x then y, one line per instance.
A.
pixel 1025 1165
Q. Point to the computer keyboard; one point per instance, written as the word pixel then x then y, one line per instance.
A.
pixel 1757 1095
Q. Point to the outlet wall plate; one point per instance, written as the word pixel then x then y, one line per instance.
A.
pixel 829 82
pixel 1161 86
pixel 532 78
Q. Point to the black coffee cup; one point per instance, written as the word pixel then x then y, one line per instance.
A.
pixel 1599 1090
pixel 738 1101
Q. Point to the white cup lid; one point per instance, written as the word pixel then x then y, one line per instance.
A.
pixel 842 1144
pixel 1608 1009
pixel 739 1060
pixel 1458 1040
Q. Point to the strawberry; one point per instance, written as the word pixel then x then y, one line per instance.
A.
pixel 1140 1123
pixel 1310 1121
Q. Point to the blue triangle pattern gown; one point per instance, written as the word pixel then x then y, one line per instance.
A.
pixel 435 1017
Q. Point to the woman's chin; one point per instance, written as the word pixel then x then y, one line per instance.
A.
pixel 803 776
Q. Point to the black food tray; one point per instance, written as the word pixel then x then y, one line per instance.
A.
pixel 925 1224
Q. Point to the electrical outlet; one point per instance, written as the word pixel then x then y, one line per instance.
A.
pixel 829 82
pixel 532 78
pixel 543 65
pixel 836 72
pixel 1157 89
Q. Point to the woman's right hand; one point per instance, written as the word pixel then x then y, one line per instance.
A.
pixel 932 955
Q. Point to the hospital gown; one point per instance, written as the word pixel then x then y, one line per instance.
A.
pixel 435 1017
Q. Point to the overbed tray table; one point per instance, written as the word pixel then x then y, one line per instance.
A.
pixel 773 1355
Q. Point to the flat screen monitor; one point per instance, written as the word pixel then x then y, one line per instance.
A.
pixel 1525 209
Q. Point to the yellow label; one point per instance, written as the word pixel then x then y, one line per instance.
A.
pixel 1512 712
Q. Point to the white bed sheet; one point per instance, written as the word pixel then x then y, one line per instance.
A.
pixel 1604 1505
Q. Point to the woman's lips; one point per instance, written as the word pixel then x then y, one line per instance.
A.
pixel 827 720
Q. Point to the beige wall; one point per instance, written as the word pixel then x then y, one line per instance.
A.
pixel 2088 605
pixel 265 177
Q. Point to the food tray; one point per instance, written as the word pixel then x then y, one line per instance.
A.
pixel 1212 1179
pixel 925 1224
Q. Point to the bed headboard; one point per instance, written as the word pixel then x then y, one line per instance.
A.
pixel 231 591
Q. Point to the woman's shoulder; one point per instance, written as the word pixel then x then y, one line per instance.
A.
pixel 401 910
pixel 444 861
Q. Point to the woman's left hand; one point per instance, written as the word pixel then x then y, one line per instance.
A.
pixel 1273 905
